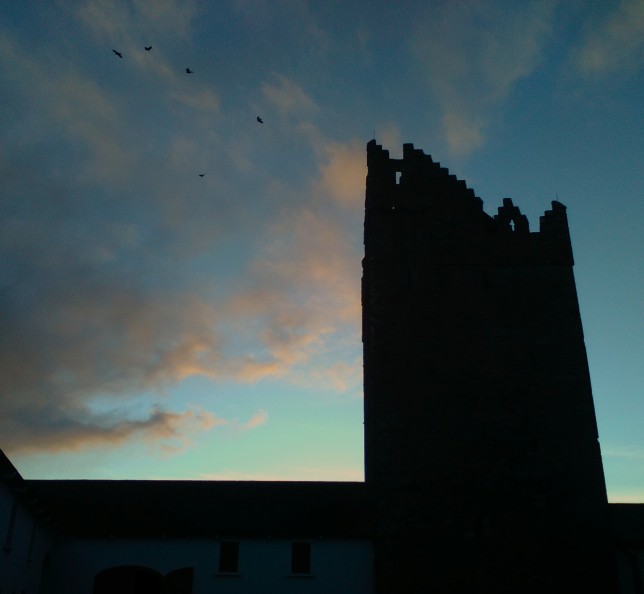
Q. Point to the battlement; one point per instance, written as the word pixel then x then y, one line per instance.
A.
pixel 421 189
pixel 416 171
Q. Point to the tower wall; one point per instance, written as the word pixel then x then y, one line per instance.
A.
pixel 481 445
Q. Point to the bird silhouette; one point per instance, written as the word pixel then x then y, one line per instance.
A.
pixel 147 48
pixel 119 54
pixel 188 71
pixel 260 120
pixel 201 174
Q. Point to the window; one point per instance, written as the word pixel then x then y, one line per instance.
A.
pixel 229 557
pixel 301 557
pixel 12 525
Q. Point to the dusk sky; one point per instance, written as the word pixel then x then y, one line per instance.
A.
pixel 156 324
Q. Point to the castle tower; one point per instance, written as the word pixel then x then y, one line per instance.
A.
pixel 481 446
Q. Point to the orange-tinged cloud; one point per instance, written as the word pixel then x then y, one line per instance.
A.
pixel 258 419
pixel 172 430
pixel 107 312
pixel 343 174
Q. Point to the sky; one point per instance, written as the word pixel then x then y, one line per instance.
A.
pixel 160 324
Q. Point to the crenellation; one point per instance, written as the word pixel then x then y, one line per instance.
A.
pixel 553 228
pixel 510 218
pixel 415 182
pixel 554 221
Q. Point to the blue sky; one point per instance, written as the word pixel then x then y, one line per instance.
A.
pixel 158 324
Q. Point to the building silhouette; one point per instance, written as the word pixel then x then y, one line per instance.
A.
pixel 483 470
pixel 480 432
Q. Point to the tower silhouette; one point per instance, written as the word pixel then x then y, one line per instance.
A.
pixel 481 445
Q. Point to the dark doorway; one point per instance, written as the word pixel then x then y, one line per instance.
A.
pixel 133 579
pixel 128 579
pixel 178 581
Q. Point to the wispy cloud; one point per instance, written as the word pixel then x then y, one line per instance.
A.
pixel 169 431
pixel 129 22
pixel 288 97
pixel 630 452
pixel 167 26
pixel 104 243
pixel 615 43
pixel 342 376
pixel 299 290
pixel 76 109
pixel 205 100
pixel 258 419
pixel 96 301
pixel 472 54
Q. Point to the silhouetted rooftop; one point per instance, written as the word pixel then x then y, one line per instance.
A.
pixel 194 509
pixel 627 523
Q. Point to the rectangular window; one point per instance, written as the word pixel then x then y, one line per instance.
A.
pixel 229 557
pixel 301 557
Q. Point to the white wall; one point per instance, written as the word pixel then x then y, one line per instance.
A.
pixel 338 566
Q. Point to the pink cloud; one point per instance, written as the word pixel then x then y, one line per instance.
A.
pixel 344 172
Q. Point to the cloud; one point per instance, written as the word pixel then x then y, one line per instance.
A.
pixel 82 323
pixel 342 376
pixel 92 125
pixel 166 25
pixel 170 431
pixel 300 289
pixel 126 22
pixel 615 43
pixel 206 101
pixel 630 452
pixel 344 172
pixel 258 419
pixel 166 431
pixel 301 296
pixel 66 347
pixel 472 54
pixel 122 272
pixel 288 97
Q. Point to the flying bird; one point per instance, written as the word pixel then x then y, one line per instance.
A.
pixel 188 71
pixel 201 174
pixel 260 120
pixel 119 54
pixel 147 48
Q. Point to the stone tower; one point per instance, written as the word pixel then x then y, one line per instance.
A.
pixel 481 444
